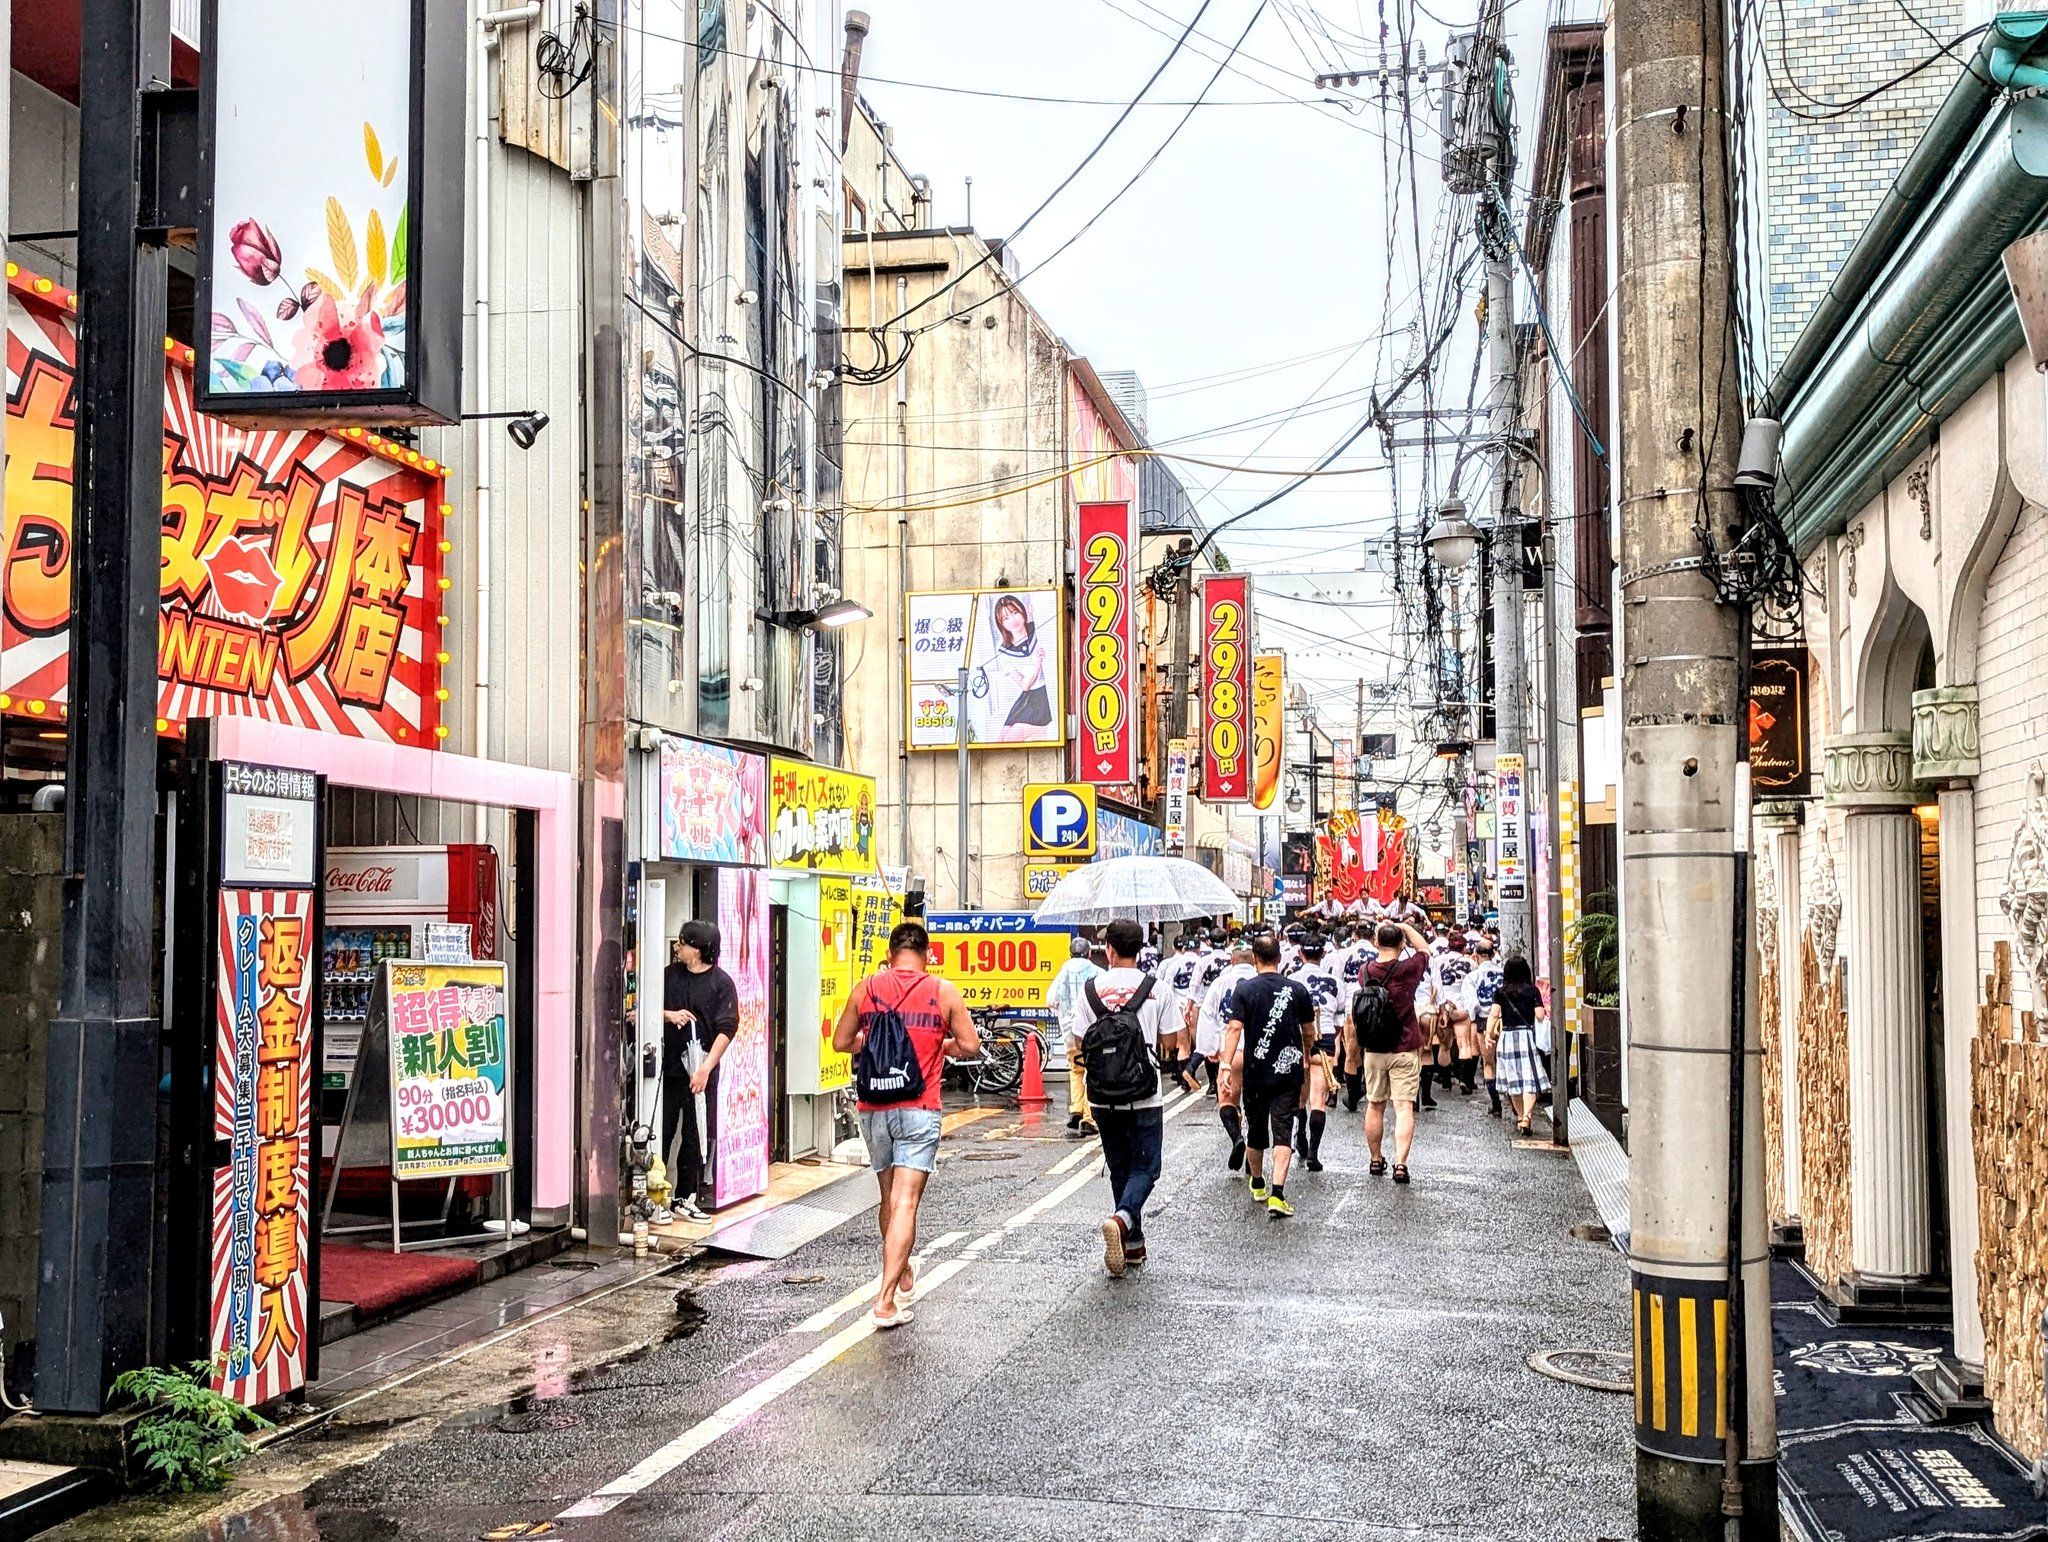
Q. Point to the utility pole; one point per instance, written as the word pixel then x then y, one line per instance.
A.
pixel 94 1307
pixel 1706 1445
pixel 1504 548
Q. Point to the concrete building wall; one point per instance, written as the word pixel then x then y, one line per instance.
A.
pixel 985 409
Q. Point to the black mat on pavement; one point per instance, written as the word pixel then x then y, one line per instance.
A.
pixel 1854 1464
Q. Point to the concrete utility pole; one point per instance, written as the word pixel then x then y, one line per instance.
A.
pixel 1510 665
pixel 1706 1436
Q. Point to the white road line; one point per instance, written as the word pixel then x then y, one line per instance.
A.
pixel 1045 1202
pixel 824 1317
pixel 983 1243
pixel 1092 1147
pixel 736 1412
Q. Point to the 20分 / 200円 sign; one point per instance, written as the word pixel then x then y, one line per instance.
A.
pixel 450 1069
pixel 1226 695
pixel 1102 630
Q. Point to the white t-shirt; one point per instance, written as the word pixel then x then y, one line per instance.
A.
pixel 1327 991
pixel 1209 1022
pixel 1179 973
pixel 1159 1013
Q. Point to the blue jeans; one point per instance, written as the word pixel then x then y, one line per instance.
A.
pixel 1132 1139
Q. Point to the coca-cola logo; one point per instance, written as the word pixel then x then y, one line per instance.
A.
pixel 363 880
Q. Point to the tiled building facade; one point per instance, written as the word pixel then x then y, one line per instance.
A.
pixel 1825 175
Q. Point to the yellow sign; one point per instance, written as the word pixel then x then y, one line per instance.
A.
pixel 820 819
pixel 1041 877
pixel 999 968
pixel 1268 693
pixel 854 918
pixel 1059 819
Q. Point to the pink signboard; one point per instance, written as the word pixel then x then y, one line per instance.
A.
pixel 740 1122
pixel 714 805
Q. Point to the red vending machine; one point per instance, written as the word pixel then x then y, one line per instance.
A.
pixel 380 900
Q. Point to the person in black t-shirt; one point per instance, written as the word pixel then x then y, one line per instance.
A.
pixel 700 1014
pixel 1269 1036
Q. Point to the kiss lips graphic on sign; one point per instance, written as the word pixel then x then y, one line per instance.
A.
pixel 245 581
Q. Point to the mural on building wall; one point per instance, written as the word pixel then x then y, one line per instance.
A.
pixel 301 569
pixel 1094 479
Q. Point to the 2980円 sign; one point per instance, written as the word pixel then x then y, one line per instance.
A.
pixel 301 570
pixel 1227 748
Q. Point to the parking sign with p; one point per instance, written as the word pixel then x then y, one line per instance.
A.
pixel 1059 820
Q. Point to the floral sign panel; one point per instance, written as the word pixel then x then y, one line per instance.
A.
pixel 301 575
pixel 318 118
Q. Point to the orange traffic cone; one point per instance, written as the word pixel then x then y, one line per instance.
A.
pixel 1033 1099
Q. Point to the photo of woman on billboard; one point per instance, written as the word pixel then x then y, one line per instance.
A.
pixel 1012 701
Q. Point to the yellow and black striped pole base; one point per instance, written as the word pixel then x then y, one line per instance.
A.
pixel 1681 1411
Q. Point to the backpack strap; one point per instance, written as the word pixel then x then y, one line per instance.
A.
pixel 1138 996
pixel 1094 1001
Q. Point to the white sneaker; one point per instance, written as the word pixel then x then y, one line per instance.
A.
pixel 662 1217
pixel 690 1211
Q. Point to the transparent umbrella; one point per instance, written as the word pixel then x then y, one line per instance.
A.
pixel 1137 889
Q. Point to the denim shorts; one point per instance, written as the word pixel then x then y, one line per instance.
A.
pixel 901 1137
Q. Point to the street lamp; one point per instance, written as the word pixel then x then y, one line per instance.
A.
pixel 1453 538
pixel 828 617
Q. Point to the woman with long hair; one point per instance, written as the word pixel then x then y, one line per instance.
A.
pixel 1019 706
pixel 1518 1061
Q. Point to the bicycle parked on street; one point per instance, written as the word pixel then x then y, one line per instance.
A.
pixel 998 1071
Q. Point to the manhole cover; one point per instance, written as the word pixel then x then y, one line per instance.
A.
pixel 1600 1369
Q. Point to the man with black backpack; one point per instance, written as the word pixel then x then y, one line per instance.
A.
pixel 1272 1033
pixel 1131 1018
pixel 1390 1039
pixel 900 1025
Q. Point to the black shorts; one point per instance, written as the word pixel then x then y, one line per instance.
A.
pixel 1327 1045
pixel 1268 1111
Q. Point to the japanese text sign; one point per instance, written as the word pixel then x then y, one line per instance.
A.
pixel 1176 795
pixel 1268 727
pixel 1510 851
pixel 739 1115
pixel 263 1111
pixel 1226 694
pixel 820 819
pixel 997 959
pixel 855 917
pixel 301 574
pixel 1777 722
pixel 714 804
pixel 1102 631
pixel 450 1068
pixel 1008 642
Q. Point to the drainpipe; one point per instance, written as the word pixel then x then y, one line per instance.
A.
pixel 487 25
pixel 1997 64
pixel 849 73
pixel 902 562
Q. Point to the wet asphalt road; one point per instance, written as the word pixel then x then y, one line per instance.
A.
pixel 1357 1372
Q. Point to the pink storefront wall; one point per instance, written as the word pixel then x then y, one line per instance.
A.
pixel 403 768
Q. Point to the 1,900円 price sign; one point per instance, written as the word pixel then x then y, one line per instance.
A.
pixel 998 968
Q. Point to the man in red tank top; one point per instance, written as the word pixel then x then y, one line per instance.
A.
pixel 903 1137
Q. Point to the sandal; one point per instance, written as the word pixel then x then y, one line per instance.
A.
pixel 902 1315
pixel 1522 1131
pixel 1400 1172
pixel 1377 1167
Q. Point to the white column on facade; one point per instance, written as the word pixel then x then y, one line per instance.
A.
pixel 1871 776
pixel 1782 821
pixel 1945 752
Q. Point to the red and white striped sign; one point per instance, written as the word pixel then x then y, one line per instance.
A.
pixel 1226 689
pixel 263 1109
pixel 1106 750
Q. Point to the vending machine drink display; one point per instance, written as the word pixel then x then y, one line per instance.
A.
pixel 380 900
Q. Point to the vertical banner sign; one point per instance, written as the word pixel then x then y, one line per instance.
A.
pixel 1511 840
pixel 855 915
pixel 1103 627
pixel 1777 723
pixel 450 1068
pixel 330 236
pixel 1226 693
pixel 739 1118
pixel 1268 693
pixel 1177 795
pixel 265 982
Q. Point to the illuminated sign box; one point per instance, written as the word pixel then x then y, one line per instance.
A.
pixel 331 212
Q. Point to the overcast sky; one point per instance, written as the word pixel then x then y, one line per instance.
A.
pixel 1263 233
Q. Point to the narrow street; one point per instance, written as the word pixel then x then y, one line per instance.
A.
pixel 1356 1372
